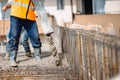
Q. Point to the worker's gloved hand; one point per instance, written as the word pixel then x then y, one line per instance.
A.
pixel 51 43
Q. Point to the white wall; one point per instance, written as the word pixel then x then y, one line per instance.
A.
pixel 60 15
pixel 112 6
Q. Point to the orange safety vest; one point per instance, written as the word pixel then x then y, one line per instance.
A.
pixel 20 9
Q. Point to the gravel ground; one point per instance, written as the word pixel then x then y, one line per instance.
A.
pixel 47 59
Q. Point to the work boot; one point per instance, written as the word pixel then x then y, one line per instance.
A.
pixel 13 55
pixel 37 52
pixel 13 63
pixel 28 54
pixel 53 49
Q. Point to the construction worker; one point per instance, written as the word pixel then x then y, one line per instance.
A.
pixel 23 37
pixel 22 15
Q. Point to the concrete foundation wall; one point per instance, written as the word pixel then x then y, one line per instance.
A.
pixel 100 19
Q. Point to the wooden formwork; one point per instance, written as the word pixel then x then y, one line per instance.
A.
pixel 91 55
pixel 36 73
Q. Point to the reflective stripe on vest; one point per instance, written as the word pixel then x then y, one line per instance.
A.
pixel 23 5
